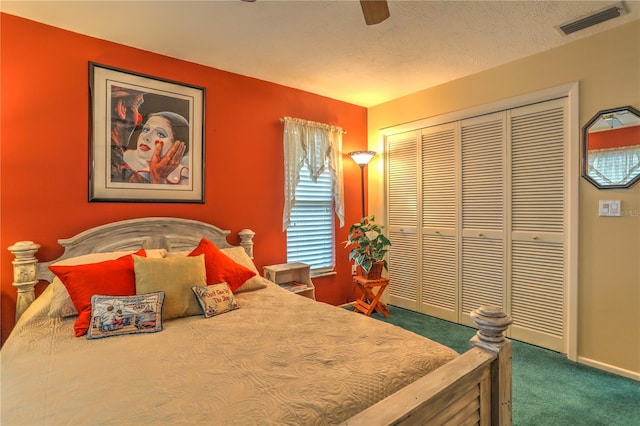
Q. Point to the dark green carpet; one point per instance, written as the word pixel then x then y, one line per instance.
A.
pixel 548 389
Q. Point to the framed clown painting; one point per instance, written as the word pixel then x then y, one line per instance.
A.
pixel 147 138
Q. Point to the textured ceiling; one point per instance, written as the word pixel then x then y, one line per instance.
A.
pixel 325 47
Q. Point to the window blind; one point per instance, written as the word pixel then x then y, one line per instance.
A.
pixel 310 236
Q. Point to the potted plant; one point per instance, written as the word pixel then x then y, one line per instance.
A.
pixel 369 247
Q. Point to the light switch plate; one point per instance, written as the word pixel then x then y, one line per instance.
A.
pixel 610 208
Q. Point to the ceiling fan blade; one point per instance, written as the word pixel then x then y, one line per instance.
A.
pixel 375 11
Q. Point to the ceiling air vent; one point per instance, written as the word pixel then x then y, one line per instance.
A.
pixel 610 12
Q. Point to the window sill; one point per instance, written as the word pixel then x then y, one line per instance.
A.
pixel 322 274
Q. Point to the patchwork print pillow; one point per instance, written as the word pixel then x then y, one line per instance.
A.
pixel 117 315
pixel 215 299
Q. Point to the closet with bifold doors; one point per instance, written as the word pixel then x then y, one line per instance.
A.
pixel 476 213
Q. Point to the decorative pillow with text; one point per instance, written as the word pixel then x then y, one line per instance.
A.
pixel 215 299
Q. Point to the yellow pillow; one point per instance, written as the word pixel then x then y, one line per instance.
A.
pixel 174 276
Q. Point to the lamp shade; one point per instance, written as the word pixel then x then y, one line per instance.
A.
pixel 362 158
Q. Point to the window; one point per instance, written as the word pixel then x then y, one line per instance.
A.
pixel 614 166
pixel 310 235
pixel 312 186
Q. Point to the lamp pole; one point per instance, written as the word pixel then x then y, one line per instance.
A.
pixel 362 185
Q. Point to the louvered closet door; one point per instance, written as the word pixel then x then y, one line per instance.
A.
pixel 402 219
pixel 439 290
pixel 538 223
pixel 483 265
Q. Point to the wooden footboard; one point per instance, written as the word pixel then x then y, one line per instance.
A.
pixel 474 388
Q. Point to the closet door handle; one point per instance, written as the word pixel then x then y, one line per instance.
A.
pixel 535 237
pixel 481 234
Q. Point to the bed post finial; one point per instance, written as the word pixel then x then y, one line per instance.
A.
pixel 246 241
pixel 492 323
pixel 24 273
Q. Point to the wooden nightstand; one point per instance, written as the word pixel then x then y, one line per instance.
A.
pixel 370 301
pixel 294 277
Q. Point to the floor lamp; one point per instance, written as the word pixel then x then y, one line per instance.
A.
pixel 362 158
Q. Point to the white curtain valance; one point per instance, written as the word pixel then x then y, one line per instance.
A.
pixel 317 145
pixel 614 166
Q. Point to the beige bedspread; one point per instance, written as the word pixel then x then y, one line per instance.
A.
pixel 279 359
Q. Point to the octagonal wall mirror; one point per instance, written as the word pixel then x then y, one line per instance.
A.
pixel 611 148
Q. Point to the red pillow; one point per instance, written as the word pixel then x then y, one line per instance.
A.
pixel 220 267
pixel 111 277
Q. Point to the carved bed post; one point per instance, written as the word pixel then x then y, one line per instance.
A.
pixel 24 273
pixel 492 322
pixel 246 237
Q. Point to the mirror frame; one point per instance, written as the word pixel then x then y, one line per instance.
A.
pixel 585 151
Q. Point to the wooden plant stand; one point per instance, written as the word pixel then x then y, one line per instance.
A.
pixel 370 300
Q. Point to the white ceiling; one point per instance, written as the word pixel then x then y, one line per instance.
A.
pixel 324 47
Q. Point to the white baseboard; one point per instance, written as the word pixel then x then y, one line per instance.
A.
pixel 610 368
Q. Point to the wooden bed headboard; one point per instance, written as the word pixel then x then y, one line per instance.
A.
pixel 169 233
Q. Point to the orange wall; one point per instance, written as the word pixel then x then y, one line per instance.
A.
pixel 45 150
pixel 615 138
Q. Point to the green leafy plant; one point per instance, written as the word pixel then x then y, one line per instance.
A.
pixel 369 243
